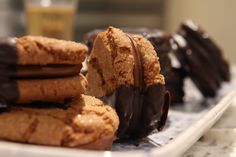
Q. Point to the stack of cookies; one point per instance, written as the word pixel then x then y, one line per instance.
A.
pixel 41 93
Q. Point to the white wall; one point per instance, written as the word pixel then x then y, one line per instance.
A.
pixel 218 17
pixel 4 17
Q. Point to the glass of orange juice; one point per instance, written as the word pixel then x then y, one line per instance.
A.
pixel 51 18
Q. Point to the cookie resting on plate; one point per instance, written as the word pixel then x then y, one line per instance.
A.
pixel 124 70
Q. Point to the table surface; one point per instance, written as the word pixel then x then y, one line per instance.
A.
pixel 220 140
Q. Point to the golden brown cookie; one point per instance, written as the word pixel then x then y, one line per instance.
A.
pixel 111 62
pixel 124 70
pixel 37 50
pixel 87 123
pixel 51 90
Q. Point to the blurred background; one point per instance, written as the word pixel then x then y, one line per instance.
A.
pixel 217 17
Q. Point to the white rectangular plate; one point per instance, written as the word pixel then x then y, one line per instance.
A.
pixel 186 124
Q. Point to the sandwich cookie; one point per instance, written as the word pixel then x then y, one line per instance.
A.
pixel 124 70
pixel 40 69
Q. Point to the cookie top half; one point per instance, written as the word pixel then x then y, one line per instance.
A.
pixel 37 50
pixel 112 61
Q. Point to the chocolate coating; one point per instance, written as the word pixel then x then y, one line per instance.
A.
pixel 8 51
pixel 140 112
pixel 138 68
pixel 155 108
pixel 175 84
pixel 204 58
pixel 209 45
pixel 194 68
pixel 8 60
pixel 201 58
pixel 8 90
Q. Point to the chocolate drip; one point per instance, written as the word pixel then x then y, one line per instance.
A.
pixel 138 68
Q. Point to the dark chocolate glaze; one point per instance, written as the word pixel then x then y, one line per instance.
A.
pixel 175 84
pixel 8 51
pixel 154 112
pixel 138 66
pixel 8 91
pixel 7 70
pixel 8 59
pixel 209 45
pixel 204 58
pixel 141 112
pixel 194 68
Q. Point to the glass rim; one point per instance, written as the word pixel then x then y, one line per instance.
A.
pixel 49 3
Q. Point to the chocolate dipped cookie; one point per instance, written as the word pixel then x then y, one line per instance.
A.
pixel 201 58
pixel 174 76
pixel 86 123
pixel 40 69
pixel 124 70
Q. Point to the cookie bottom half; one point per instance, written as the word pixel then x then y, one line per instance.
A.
pixel 87 123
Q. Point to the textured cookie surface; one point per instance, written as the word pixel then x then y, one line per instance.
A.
pixel 52 90
pixel 86 123
pixel 41 50
pixel 111 63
